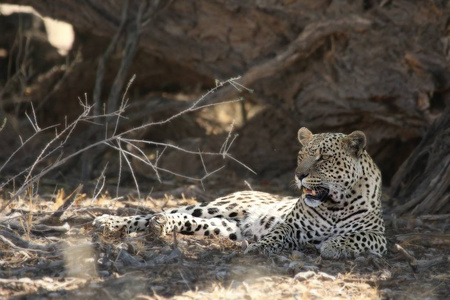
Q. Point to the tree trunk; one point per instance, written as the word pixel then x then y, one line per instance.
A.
pixel 377 66
pixel 422 184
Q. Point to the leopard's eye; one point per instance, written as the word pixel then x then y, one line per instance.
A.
pixel 324 157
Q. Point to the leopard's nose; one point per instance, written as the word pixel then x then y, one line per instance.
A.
pixel 300 176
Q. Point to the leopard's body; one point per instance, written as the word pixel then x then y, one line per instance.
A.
pixel 339 211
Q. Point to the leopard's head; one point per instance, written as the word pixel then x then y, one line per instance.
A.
pixel 328 165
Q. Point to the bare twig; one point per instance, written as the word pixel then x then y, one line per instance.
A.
pixel 15 242
pixel 97 189
pixel 105 57
pixel 129 165
pixel 444 217
pixel 38 229
pixel 132 40
pixel 53 266
pixel 22 145
pixel 51 147
pixel 411 259
pixel 68 203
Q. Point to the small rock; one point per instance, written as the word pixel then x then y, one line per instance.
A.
pixel 175 254
pixel 326 276
pixel 385 275
pixel 158 288
pixel 295 267
pixel 53 295
pixel 297 255
pixel 386 292
pixel 103 273
pixel 227 258
pixel 221 275
pixel 25 280
pixel 304 275
pixel 310 268
pixel 182 243
pixel 166 249
pixel 360 259
pixel 281 258
pixel 295 264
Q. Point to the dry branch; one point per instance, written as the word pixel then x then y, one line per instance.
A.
pixel 126 261
pixel 411 259
pixel 104 58
pixel 309 40
pixel 38 229
pixel 61 138
pixel 52 266
pixel 17 243
pixel 67 203
pixel 421 264
pixel 443 217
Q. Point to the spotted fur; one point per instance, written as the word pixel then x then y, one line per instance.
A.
pixel 339 211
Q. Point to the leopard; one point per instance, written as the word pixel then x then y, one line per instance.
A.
pixel 338 212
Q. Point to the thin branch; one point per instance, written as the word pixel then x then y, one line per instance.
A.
pixel 68 203
pixel 123 104
pixel 101 178
pixel 23 143
pixel 15 242
pixel 31 178
pixel 132 40
pixel 411 259
pixel 130 166
pixel 105 57
pixel 147 160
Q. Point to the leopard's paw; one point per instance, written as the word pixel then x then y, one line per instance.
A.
pixel 253 248
pixel 260 248
pixel 334 251
pixel 108 222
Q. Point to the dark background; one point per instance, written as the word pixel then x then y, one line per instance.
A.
pixel 377 66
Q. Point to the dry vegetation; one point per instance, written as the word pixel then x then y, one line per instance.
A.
pixel 44 256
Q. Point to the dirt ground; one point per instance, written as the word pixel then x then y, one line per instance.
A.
pixel 46 255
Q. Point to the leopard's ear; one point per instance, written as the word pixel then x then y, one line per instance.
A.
pixel 304 135
pixel 356 143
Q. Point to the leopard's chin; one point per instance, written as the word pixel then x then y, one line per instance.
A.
pixel 312 203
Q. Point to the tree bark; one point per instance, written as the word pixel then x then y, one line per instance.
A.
pixel 422 184
pixel 377 66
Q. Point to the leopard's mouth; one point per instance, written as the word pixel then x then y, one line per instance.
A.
pixel 316 195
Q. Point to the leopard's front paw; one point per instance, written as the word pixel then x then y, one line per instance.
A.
pixel 259 247
pixel 252 248
pixel 334 251
pixel 108 222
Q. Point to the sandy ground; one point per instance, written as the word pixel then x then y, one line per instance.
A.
pixel 66 258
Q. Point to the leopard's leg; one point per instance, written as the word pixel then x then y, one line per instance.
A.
pixel 189 225
pixel 350 244
pixel 276 240
pixel 115 223
pixel 165 223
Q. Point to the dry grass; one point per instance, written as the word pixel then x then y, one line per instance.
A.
pixel 90 265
